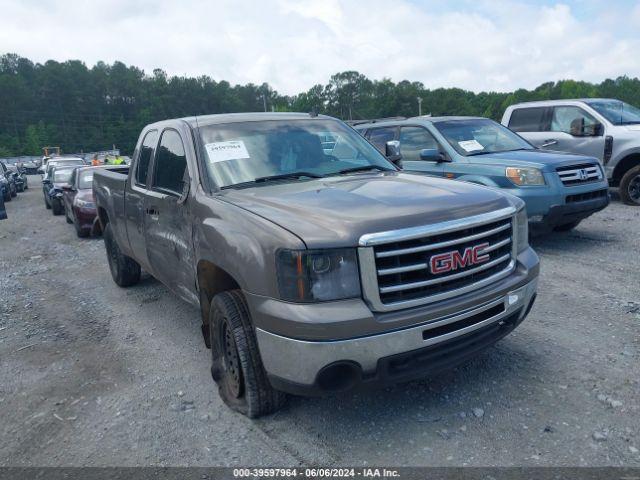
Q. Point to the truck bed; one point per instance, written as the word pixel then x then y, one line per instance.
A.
pixel 109 192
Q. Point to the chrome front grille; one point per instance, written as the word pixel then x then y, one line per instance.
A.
pixel 426 264
pixel 579 174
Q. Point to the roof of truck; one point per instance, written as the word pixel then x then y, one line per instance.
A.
pixel 424 118
pixel 203 120
pixel 564 100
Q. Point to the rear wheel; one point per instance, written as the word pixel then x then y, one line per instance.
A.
pixel 82 233
pixel 47 203
pixel 567 226
pixel 236 364
pixel 630 187
pixel 125 271
pixel 7 196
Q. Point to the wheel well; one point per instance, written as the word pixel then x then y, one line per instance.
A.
pixel 104 218
pixel 211 281
pixel 623 165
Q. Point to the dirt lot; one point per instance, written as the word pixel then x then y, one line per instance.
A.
pixel 92 374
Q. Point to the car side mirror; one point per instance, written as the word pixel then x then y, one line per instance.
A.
pixel 46 181
pixel 598 130
pixel 392 152
pixel 432 155
pixel 185 190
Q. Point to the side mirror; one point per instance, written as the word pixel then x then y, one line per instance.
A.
pixel 432 155
pixel 185 191
pixel 598 130
pixel 392 152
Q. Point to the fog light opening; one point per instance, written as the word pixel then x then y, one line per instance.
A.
pixel 339 376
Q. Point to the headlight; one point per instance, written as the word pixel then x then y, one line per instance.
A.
pixel 525 176
pixel 317 275
pixel 522 230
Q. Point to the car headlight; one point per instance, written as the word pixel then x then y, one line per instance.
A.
pixel 522 230
pixel 524 176
pixel 306 276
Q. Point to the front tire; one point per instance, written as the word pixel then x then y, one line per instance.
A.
pixel 236 364
pixel 56 207
pixel 630 187
pixel 125 271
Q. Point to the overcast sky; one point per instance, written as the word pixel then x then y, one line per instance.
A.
pixel 295 44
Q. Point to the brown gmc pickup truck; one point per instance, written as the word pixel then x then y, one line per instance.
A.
pixel 318 266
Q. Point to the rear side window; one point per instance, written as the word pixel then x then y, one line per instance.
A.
pixel 146 153
pixel 415 139
pixel 380 136
pixel 171 163
pixel 528 119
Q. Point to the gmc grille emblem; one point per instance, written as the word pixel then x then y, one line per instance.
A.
pixel 449 261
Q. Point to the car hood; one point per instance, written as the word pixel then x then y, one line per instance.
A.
pixel 337 211
pixel 547 160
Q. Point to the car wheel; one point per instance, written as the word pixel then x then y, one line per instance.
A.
pixel 56 207
pixel 565 227
pixel 630 187
pixel 236 364
pixel 14 192
pixel 7 196
pixel 66 217
pixel 47 203
pixel 125 271
pixel 82 233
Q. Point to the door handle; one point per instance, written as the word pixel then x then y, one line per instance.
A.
pixel 549 142
pixel 152 211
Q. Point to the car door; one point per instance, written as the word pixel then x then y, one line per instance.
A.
pixel 168 225
pixel 136 195
pixel 532 123
pixel 414 139
pixel 572 129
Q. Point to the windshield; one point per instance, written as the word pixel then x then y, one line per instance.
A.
pixel 243 152
pixel 480 136
pixel 617 112
pixel 86 179
pixel 62 176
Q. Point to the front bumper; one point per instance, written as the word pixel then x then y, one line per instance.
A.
pixel 311 367
pixel 578 209
pixel 85 216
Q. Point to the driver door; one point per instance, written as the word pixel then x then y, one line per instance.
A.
pixel 574 130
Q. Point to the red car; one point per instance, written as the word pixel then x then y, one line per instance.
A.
pixel 79 206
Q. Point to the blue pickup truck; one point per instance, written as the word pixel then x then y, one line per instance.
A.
pixel 559 189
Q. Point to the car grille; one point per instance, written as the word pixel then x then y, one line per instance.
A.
pixel 404 270
pixel 581 197
pixel 579 174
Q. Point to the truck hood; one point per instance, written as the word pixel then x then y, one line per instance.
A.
pixel 546 160
pixel 337 211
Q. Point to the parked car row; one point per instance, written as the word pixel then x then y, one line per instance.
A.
pixel 67 189
pixel 12 181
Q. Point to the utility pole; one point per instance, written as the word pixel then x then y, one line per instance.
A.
pixel 419 106
pixel 264 101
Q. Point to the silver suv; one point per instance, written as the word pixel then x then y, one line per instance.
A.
pixel 599 127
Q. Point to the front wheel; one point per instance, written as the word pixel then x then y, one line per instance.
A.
pixel 630 187
pixel 56 207
pixel 125 271
pixel 236 364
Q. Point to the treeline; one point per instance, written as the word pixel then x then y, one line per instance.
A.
pixel 83 109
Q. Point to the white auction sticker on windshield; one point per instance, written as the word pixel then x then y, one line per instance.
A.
pixel 224 151
pixel 471 145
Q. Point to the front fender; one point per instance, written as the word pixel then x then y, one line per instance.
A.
pixel 479 179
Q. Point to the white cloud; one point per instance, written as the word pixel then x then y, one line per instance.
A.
pixel 294 44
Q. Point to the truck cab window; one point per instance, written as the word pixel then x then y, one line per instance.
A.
pixel 415 139
pixel 573 120
pixel 380 136
pixel 146 153
pixel 171 163
pixel 528 119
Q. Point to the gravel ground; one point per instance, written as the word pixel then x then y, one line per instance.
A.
pixel 92 374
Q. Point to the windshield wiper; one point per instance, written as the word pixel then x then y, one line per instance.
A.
pixel 364 168
pixel 287 175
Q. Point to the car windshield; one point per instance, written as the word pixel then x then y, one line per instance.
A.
pixel 62 176
pixel 238 153
pixel 86 179
pixel 479 136
pixel 617 112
